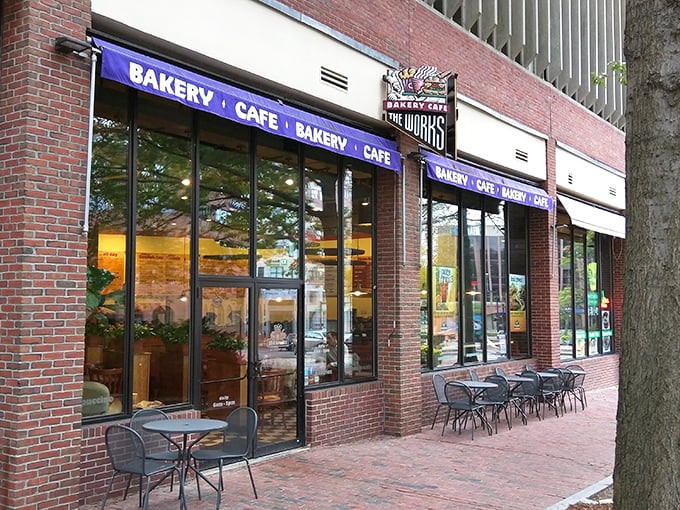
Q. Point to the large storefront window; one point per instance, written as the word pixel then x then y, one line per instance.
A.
pixel 338 341
pixel 196 233
pixel 585 287
pixel 468 242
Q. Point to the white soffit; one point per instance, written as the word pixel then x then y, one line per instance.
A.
pixel 483 135
pixel 257 39
pixel 594 218
pixel 578 176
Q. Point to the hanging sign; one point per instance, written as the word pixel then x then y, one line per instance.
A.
pixel 418 103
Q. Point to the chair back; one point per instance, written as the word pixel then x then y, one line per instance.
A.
pixel 500 393
pixel 271 386
pixel 112 378
pixel 439 383
pixel 473 374
pixel 239 435
pixel 500 371
pixel 554 384
pixel 153 441
pixel 457 394
pixel 125 448
pixel 577 380
pixel 529 388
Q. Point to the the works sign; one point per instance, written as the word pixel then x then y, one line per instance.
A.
pixel 421 103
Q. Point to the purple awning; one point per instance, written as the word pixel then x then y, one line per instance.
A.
pixel 202 93
pixel 474 179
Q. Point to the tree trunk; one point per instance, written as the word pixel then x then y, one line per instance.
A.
pixel 647 468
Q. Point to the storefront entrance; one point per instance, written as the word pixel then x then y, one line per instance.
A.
pixel 251 359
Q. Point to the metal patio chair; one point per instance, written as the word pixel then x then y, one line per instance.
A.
pixel 236 445
pixel 128 456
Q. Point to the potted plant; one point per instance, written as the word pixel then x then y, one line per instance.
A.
pixel 223 341
pixel 174 334
pixel 100 305
pixel 223 349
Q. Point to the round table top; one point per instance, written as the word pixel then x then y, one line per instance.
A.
pixel 185 426
pixel 479 384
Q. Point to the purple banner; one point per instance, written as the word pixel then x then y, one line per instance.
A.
pixel 474 179
pixel 202 93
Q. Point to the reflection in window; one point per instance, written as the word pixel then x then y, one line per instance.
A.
pixel 224 199
pixel 106 255
pixel 322 186
pixel 445 271
pixel 141 244
pixel 517 321
pixel 592 295
pixel 580 305
pixel 586 321
pixel 465 289
pixel 565 295
pixel 606 293
pixel 277 231
pixel 357 337
pixel 472 327
pixel 495 281
pixel 163 227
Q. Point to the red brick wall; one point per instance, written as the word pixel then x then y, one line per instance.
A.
pixel 398 299
pixel 43 125
pixel 344 414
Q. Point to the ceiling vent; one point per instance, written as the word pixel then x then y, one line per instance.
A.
pixel 521 155
pixel 334 79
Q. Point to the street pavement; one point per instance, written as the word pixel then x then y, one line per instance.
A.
pixel 533 466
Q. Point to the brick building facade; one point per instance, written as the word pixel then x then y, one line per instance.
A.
pixel 49 456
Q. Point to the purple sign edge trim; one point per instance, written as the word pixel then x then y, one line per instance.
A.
pixel 479 181
pixel 209 95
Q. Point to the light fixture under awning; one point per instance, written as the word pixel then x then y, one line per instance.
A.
pixel 468 177
pixel 594 218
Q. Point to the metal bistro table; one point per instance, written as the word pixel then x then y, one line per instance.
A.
pixel 186 427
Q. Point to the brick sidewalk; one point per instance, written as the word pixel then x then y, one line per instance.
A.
pixel 528 467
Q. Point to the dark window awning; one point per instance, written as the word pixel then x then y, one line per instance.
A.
pixel 203 93
pixel 593 218
pixel 475 179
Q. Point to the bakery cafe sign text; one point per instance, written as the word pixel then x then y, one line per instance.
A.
pixel 416 103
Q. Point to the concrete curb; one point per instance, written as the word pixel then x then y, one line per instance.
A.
pixel 582 496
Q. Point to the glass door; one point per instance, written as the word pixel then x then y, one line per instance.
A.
pixel 225 338
pixel 275 374
pixel 254 364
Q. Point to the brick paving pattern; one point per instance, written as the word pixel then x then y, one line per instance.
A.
pixel 528 467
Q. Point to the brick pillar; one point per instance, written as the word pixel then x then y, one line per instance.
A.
pixel 398 260
pixel 43 125
pixel 545 313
